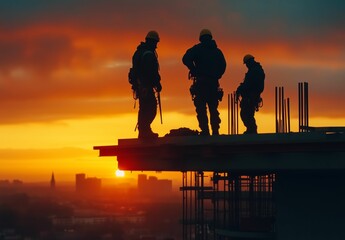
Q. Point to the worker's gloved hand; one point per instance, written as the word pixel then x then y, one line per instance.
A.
pixel 192 73
pixel 237 97
pixel 238 94
pixel 158 87
pixel 239 90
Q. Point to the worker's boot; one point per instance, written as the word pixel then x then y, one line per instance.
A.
pixel 215 132
pixel 252 130
pixel 147 134
pixel 204 132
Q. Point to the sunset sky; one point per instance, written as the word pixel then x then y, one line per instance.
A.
pixel 64 65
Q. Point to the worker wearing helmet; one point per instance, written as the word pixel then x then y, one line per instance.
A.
pixel 249 91
pixel 206 64
pixel 146 68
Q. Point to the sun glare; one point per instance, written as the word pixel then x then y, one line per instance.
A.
pixel 119 173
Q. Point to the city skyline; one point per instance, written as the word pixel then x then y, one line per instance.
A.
pixel 80 178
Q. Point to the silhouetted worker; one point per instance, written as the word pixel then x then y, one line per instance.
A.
pixel 250 90
pixel 145 72
pixel 206 64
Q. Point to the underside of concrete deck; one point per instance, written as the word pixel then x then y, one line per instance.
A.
pixel 314 151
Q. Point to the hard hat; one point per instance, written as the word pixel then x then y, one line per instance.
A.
pixel 247 57
pixel 205 32
pixel 153 35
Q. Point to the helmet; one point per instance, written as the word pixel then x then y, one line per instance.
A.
pixel 205 32
pixel 247 57
pixel 153 35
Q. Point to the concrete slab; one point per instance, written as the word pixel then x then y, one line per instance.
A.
pixel 316 151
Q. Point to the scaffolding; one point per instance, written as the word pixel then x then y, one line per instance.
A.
pixel 227 205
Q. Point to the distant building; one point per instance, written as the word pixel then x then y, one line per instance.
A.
pixel 17 182
pixel 154 186
pixel 5 182
pixel 80 181
pixel 52 182
pixel 80 221
pixel 8 183
pixel 83 183
pixel 142 181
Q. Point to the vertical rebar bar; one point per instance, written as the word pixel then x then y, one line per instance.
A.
pixel 237 117
pixel 232 114
pixel 288 113
pixel 215 203
pixel 299 107
pixel 276 108
pixel 191 205
pixel 196 223
pixel 283 110
pixel 285 116
pixel 303 107
pixel 200 197
pixel 306 96
pixel 184 197
pixel 281 106
pixel 229 114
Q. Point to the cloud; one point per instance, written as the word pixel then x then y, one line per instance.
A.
pixel 69 59
pixel 57 153
pixel 41 54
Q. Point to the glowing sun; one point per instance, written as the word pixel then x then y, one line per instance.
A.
pixel 119 173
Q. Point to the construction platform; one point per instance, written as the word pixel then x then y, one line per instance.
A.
pixel 277 186
pixel 274 152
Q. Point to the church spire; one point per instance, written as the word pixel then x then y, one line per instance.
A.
pixel 52 181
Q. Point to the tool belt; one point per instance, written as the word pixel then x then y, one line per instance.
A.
pixel 195 90
pixel 257 102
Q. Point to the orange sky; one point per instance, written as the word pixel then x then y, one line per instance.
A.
pixel 64 65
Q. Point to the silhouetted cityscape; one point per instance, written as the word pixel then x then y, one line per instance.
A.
pixel 147 209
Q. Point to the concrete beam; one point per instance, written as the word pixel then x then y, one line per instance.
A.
pixel 305 151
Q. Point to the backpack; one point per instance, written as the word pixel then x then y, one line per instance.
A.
pixel 261 79
pixel 134 71
pixel 133 74
pixel 261 84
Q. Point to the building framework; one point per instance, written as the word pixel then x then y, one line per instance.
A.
pixel 227 205
pixel 262 186
pixel 250 187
